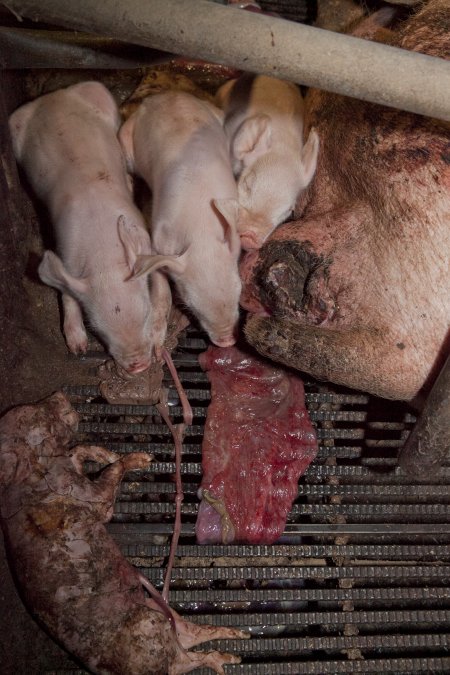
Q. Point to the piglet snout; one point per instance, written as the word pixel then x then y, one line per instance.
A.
pixel 250 241
pixel 227 341
pixel 138 366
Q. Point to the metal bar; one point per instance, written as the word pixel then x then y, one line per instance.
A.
pixel 201 412
pixel 188 529
pixel 423 512
pixel 353 433
pixel 304 619
pixel 401 665
pixel 426 664
pixel 87 391
pixel 342 452
pixel 29 48
pixel 379 573
pixel 325 415
pixel 428 445
pixel 294 645
pixel 298 552
pixel 314 472
pixel 300 596
pixel 377 492
pixel 259 43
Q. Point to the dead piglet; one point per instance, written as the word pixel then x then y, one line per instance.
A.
pixel 67 144
pixel 176 143
pixel 358 290
pixel 264 122
pixel 70 572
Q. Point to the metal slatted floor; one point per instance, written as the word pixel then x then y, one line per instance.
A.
pixel 359 581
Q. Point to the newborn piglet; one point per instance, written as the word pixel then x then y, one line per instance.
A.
pixel 67 144
pixel 70 572
pixel 176 143
pixel 264 123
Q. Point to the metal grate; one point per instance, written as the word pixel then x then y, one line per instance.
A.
pixel 359 581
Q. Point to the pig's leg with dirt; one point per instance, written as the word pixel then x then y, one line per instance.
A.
pixel 328 354
pixel 94 453
pixel 103 491
pixel 73 327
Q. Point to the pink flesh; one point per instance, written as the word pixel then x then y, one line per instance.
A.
pixel 187 410
pixel 258 440
pixel 226 342
pixel 177 433
pixel 159 600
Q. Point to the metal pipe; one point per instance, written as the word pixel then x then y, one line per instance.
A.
pixel 32 48
pixel 264 44
pixel 428 444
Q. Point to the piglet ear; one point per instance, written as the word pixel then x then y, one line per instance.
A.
pixel 252 139
pixel 53 273
pixel 134 238
pixel 126 141
pixel 146 264
pixel 228 210
pixel 309 157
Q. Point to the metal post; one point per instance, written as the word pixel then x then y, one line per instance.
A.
pixel 258 43
pixel 429 442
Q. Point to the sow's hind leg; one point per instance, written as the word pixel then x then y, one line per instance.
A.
pixel 355 357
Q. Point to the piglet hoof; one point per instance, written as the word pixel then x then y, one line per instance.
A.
pixel 192 634
pixel 136 460
pixel 188 661
pixel 76 339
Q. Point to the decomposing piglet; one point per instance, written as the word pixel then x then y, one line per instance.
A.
pixel 177 144
pixel 358 290
pixel 264 122
pixel 70 572
pixel 67 144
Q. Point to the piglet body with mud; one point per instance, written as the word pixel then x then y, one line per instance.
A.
pixel 71 574
pixel 264 122
pixel 67 144
pixel 176 143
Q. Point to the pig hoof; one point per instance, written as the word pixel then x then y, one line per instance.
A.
pixel 136 460
pixel 77 342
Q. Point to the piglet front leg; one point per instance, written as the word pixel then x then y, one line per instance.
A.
pixel 103 491
pixel 74 330
pixel 94 453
